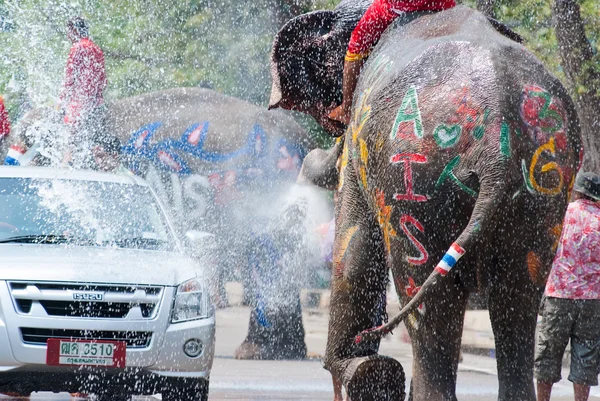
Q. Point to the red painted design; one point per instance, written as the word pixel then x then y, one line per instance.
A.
pixel 540 109
pixel 468 114
pixel 407 159
pixel 404 221
pixel 411 289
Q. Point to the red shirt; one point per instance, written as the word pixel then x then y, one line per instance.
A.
pixel 380 15
pixel 85 79
pixel 4 121
pixel 576 269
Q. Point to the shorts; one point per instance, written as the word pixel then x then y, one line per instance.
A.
pixel 564 319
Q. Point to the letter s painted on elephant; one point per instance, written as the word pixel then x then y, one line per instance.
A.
pixel 404 221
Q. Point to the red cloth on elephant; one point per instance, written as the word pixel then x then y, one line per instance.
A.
pixel 576 269
pixel 85 80
pixel 4 121
pixel 379 16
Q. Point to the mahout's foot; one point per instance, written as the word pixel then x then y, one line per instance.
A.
pixel 341 114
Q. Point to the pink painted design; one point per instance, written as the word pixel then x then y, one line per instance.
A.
pixel 407 159
pixel 404 221
pixel 574 273
pixel 194 137
pixel 140 141
pixel 165 158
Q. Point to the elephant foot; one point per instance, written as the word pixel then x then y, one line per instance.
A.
pixel 248 350
pixel 377 378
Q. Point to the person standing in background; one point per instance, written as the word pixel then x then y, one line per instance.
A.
pixel 4 121
pixel 571 304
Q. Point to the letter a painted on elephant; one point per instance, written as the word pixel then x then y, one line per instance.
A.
pixel 407 159
pixel 408 120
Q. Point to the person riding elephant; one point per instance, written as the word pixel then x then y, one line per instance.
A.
pixel 376 20
pixel 455 173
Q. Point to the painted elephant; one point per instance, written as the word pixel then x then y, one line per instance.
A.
pixel 219 163
pixel 462 146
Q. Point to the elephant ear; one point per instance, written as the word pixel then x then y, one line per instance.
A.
pixel 297 46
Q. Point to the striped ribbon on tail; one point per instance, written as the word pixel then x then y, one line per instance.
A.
pixel 14 155
pixel 450 258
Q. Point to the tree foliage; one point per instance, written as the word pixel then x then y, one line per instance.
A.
pixel 222 44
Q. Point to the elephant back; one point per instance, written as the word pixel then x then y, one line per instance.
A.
pixel 198 131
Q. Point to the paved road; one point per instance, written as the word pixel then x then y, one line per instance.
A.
pixel 307 380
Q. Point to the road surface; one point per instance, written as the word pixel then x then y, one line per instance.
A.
pixel 307 380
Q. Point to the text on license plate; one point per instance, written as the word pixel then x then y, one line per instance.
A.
pixel 86 353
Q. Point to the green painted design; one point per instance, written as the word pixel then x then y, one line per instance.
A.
pixel 478 132
pixel 518 132
pixel 528 183
pixel 447 136
pixel 505 140
pixel 547 112
pixel 449 174
pixel 409 112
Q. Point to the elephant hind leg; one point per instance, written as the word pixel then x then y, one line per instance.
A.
pixel 513 307
pixel 376 378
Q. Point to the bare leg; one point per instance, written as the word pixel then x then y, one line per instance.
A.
pixel 352 70
pixel 544 390
pixel 337 389
pixel 582 392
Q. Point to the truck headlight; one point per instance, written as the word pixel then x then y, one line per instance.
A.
pixel 191 302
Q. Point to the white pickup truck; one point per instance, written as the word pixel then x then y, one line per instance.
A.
pixel 96 294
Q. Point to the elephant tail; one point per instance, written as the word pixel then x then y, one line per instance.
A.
pixel 491 191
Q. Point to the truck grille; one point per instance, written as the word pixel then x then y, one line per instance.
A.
pixel 134 339
pixel 86 300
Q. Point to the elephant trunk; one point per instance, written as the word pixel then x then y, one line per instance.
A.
pixel 491 190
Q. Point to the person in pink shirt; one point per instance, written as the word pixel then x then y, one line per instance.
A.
pixel 571 304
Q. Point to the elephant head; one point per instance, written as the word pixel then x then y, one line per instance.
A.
pixel 307 61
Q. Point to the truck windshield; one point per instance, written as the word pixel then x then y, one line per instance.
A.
pixel 91 213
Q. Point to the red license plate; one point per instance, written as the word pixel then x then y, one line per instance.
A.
pixel 63 352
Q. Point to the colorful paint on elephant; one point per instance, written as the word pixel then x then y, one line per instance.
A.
pixel 172 155
pixel 343 165
pixel 341 247
pixel 530 174
pixel 424 256
pixel 384 215
pixel 472 117
pixel 546 123
pixel 166 154
pixel 542 112
pixel 361 115
pixel 408 123
pixel 364 161
pixel 448 174
pixel 407 159
pixel 411 289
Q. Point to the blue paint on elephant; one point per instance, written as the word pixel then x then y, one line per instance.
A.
pixel 167 154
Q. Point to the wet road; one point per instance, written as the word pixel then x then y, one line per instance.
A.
pixel 307 380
